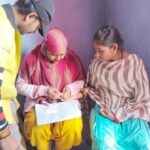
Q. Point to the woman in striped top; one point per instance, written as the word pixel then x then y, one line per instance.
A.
pixel 117 81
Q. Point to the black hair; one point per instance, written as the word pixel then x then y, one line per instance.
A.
pixel 25 7
pixel 108 35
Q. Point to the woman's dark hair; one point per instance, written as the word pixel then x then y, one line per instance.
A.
pixel 108 35
pixel 25 7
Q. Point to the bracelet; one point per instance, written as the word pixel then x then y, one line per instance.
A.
pixel 1 138
pixel 4 132
pixel 116 119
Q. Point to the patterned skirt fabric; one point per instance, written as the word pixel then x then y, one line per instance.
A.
pixel 132 134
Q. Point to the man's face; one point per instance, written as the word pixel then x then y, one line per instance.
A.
pixel 29 24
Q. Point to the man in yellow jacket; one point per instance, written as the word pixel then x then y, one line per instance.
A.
pixel 25 16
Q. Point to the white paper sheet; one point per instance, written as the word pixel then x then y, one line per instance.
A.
pixel 57 112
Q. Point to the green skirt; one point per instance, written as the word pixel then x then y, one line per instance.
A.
pixel 132 134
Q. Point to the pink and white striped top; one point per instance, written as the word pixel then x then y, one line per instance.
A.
pixel 122 86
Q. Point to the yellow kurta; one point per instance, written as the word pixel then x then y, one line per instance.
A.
pixel 10 51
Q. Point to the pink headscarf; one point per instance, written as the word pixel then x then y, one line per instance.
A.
pixel 36 69
pixel 56 41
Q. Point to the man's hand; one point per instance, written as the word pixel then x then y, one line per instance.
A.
pixel 9 143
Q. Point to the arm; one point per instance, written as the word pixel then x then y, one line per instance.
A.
pixel 72 91
pixel 6 139
pixel 75 87
pixel 35 91
pixel 80 91
pixel 30 90
pixel 4 130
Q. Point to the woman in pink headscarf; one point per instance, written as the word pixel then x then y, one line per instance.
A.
pixel 51 72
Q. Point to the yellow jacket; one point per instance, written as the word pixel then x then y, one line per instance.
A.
pixel 10 53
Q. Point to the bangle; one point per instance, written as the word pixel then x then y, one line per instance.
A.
pixel 4 132
pixel 6 135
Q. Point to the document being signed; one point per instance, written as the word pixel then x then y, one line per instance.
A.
pixel 56 112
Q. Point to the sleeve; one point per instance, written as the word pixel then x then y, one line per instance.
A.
pixel 30 90
pixel 139 105
pixel 4 129
pixel 75 87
